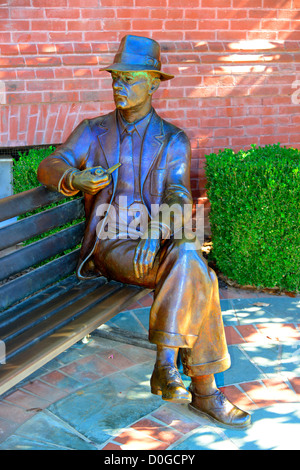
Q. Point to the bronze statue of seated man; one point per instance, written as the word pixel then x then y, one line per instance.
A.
pixel 151 162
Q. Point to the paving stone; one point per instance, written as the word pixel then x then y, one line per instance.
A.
pixel 111 446
pixel 26 400
pixel 233 336
pixel 88 410
pixel 115 358
pixel 269 391
pixel 45 391
pixel 141 373
pixel 143 315
pixel 88 369
pixel 241 369
pixel 205 438
pixel 137 355
pixel 104 408
pixel 238 398
pixel 170 414
pixel 244 311
pixel 146 301
pixel 274 428
pixel 156 430
pixel 274 358
pixel 14 413
pixel 24 443
pixel 249 333
pixel 6 429
pixel 61 381
pixel 284 309
pixel 127 321
pixel 131 439
pixel 279 331
pixel 45 430
pixel 295 383
pixel 74 353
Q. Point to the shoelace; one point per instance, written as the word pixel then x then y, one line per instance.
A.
pixel 172 372
pixel 221 397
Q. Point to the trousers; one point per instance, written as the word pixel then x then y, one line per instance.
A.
pixel 186 312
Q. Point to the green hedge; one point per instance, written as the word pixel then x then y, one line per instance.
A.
pixel 25 168
pixel 25 178
pixel 255 215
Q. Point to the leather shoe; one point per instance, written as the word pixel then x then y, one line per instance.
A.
pixel 166 381
pixel 219 410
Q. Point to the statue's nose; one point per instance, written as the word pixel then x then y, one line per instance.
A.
pixel 117 85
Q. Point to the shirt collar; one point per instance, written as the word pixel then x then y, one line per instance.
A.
pixel 140 126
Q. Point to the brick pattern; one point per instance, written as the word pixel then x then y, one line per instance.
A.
pixel 157 431
pixel 152 433
pixel 236 64
pixel 165 426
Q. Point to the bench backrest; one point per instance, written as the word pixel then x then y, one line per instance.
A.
pixel 17 278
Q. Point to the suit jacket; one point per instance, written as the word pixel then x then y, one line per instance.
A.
pixel 165 169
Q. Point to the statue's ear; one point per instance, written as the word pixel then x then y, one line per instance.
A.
pixel 154 86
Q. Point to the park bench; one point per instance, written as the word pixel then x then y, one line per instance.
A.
pixel 44 308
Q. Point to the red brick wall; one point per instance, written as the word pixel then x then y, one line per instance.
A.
pixel 236 64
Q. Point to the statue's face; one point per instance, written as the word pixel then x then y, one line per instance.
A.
pixel 131 89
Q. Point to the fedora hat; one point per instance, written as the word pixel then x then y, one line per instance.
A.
pixel 138 54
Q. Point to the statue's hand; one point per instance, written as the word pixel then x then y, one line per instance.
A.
pixel 91 180
pixel 145 254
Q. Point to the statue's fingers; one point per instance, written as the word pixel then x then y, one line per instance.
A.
pixel 141 265
pixel 151 260
pixel 90 190
pixel 146 268
pixel 136 261
pixel 147 262
pixel 101 182
pixel 145 258
pixel 100 178
pixel 143 262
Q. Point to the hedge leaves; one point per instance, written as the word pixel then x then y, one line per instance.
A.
pixel 255 215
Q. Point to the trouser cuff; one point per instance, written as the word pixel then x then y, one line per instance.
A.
pixel 172 340
pixel 214 367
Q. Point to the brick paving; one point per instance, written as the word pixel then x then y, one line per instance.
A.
pixel 97 396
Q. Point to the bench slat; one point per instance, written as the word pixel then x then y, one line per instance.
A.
pixel 27 201
pixel 39 223
pixel 24 364
pixel 42 310
pixel 52 323
pixel 41 250
pixel 13 291
pixel 47 310
pixel 40 299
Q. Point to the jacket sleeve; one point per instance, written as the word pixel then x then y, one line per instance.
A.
pixel 177 193
pixel 56 169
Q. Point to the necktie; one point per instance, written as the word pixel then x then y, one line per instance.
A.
pixel 131 212
pixel 126 170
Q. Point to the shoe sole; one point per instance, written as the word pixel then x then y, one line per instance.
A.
pixel 219 423
pixel 173 400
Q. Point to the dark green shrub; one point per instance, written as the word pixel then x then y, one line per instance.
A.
pixel 25 178
pixel 255 215
pixel 25 169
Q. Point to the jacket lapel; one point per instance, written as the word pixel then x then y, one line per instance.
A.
pixel 153 141
pixel 108 137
